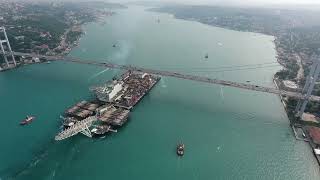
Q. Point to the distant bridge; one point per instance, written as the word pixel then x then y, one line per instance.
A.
pixel 247 86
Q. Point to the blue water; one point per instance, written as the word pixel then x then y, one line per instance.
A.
pixel 229 133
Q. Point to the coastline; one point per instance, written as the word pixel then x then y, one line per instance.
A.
pixel 279 53
pixel 149 121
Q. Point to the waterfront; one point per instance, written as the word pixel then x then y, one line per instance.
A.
pixel 229 133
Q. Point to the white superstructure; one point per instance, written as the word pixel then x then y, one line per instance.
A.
pixel 108 92
pixel 116 89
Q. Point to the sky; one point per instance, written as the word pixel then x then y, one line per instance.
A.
pixel 244 2
pixel 267 3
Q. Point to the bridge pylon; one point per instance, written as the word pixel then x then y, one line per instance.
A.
pixel 6 54
pixel 309 86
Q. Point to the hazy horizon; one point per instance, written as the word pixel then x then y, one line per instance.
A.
pixel 204 2
pixel 235 2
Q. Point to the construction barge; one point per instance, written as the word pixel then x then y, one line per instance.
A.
pixel 111 107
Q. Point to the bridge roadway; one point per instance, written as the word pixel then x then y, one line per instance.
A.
pixel 175 75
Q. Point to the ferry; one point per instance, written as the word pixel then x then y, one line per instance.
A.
pixel 27 120
pixel 180 149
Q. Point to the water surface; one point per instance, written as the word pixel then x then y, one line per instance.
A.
pixel 229 133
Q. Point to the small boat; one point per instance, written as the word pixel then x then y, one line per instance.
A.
pixel 207 56
pixel 48 62
pixel 180 149
pixel 27 120
pixel 114 45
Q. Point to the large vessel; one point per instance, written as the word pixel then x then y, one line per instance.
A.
pixel 180 149
pixel 27 120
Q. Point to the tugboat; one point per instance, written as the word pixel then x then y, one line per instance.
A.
pixel 27 120
pixel 180 149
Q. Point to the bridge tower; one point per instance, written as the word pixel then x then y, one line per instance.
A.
pixel 308 87
pixel 7 43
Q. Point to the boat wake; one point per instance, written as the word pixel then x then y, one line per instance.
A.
pixel 54 173
pixel 124 51
pixel 251 116
pixel 221 93
pixel 34 162
pixel 244 116
pixel 219 148
pixel 97 74
pixel 163 83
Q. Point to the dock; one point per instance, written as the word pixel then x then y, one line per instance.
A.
pixel 111 107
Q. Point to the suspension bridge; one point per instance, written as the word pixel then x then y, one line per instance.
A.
pixel 246 86
pixel 83 126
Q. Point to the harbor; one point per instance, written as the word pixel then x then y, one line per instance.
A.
pixel 111 107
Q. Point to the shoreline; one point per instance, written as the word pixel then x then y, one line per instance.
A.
pixel 66 46
pixel 279 53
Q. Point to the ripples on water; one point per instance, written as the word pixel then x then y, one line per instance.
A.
pixel 183 107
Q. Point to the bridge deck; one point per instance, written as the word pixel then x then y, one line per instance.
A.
pixel 175 75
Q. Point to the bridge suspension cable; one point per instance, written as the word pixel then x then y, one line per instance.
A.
pixel 198 78
pixel 230 70
pixel 219 67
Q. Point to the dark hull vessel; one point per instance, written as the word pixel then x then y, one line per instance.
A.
pixel 180 149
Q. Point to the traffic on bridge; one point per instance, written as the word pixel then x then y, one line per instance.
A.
pixel 252 87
